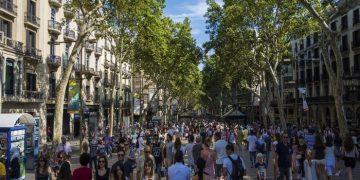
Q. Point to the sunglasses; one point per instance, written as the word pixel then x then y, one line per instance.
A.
pixel 285 137
pixel 101 161
pixel 120 154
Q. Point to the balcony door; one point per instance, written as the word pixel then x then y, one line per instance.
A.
pixel 9 77
pixel 30 82
pixel 32 7
pixel 30 39
pixel 6 28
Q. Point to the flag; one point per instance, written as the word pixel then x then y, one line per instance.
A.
pixel 302 91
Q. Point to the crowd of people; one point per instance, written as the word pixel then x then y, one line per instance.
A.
pixel 207 150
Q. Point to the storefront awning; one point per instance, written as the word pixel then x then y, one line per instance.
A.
pixel 10 120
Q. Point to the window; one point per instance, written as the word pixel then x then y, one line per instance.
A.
pixel 346 65
pixel 333 26
pixel 30 82
pixel 67 25
pixel 87 61
pixel 344 45
pixel 52 47
pixel 6 28
pixel 357 63
pixel 30 40
pixel 356 17
pixel 344 22
pixel 96 64
pixel 316 53
pixel 308 41
pixel 316 38
pixel 9 77
pixel 356 38
pixel 53 14
pixel 309 55
pixel 52 86
pixel 32 7
pixel 87 92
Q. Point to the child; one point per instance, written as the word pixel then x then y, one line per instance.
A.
pixel 260 167
pixel 329 157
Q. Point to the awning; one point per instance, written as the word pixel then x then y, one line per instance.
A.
pixel 10 120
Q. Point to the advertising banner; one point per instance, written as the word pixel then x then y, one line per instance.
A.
pixel 74 95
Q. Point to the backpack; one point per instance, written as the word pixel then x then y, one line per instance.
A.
pixel 237 169
pixel 260 147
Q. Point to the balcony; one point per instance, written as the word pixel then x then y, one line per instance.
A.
pixel 14 45
pixel 32 21
pixel 55 3
pixel 321 99
pixel 355 45
pixel 54 27
pixel 32 55
pixel 126 87
pixel 8 8
pixel 98 51
pixel 69 13
pixel 35 96
pixel 69 35
pixel 54 62
pixel 88 71
pixel 89 47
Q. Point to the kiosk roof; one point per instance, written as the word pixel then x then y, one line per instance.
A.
pixel 10 120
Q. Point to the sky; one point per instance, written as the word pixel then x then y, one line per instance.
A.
pixel 177 10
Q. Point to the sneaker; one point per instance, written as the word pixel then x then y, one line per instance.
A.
pixel 338 173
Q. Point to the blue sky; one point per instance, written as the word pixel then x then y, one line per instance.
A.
pixel 195 10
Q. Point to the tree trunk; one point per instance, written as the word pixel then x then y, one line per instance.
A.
pixel 61 87
pixel 280 104
pixel 112 101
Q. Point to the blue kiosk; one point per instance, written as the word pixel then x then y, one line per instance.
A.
pixel 14 130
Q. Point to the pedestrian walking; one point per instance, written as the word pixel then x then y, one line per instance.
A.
pixel 157 147
pixel 93 152
pixel 338 152
pixel 102 171
pixel 65 169
pixel 188 151
pixel 252 147
pixel 179 171
pixel 329 158
pixel 168 150
pixel 14 169
pixel 2 168
pixel 301 155
pixel 220 150
pixel 283 157
pixel 118 173
pixel 319 156
pixel 83 172
pixel 149 169
pixel 233 166
pixel 64 146
pixel 351 153
pixel 260 166
pixel 209 156
pixel 43 170
pixel 119 162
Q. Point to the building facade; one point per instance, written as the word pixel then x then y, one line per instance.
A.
pixel 310 72
pixel 36 39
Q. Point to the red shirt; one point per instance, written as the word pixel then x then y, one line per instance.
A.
pixel 83 173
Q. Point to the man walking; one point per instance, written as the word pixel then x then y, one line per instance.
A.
pixel 157 147
pixel 283 157
pixel 220 150
pixel 179 171
pixel 252 147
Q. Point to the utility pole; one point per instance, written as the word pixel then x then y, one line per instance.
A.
pixel 132 94
pixel 296 93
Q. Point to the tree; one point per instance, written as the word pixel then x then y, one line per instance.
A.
pixel 89 12
pixel 318 12
pixel 252 39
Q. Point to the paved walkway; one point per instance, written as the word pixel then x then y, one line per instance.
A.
pixel 251 172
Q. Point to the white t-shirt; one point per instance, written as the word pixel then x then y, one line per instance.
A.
pixel 64 147
pixel 252 143
pixel 220 149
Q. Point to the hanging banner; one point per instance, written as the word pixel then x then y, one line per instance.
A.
pixel 305 106
pixel 74 96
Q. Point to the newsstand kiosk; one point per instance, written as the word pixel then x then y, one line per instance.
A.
pixel 13 135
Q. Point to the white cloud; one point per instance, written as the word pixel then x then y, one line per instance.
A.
pixel 196 31
pixel 193 11
pixel 220 2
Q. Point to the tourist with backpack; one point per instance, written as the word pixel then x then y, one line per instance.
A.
pixel 252 147
pixel 260 145
pixel 283 157
pixel 233 166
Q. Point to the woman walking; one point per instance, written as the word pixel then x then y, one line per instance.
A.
pixel 350 155
pixel 43 171
pixel 209 156
pixel 319 156
pixel 102 170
